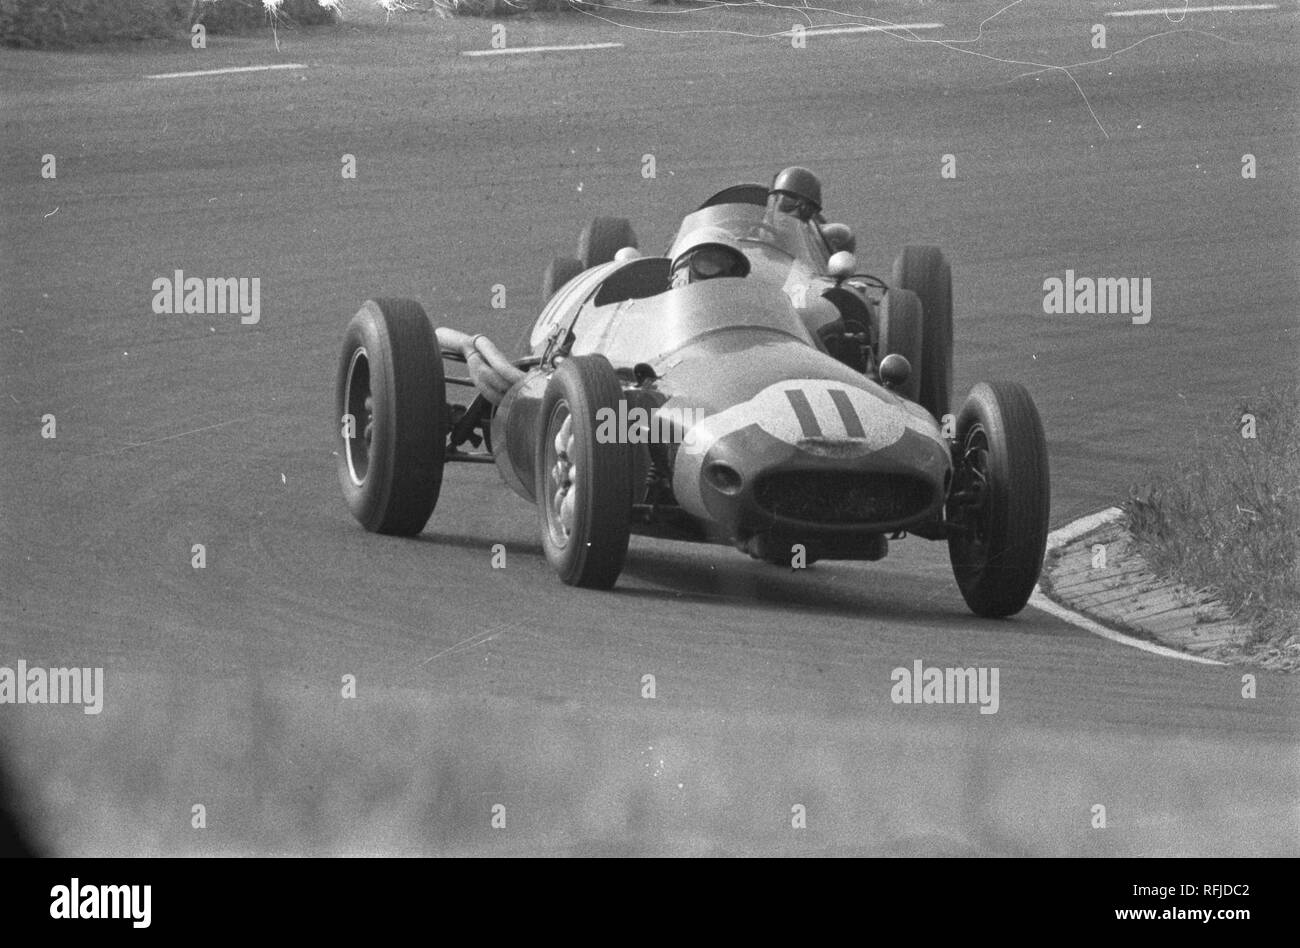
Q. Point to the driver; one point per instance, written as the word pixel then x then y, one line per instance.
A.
pixel 706 255
pixel 795 191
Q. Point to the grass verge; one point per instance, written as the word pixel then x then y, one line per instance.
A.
pixel 1226 519
pixel 53 24
pixel 64 23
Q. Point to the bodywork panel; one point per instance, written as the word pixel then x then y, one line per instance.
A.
pixel 762 433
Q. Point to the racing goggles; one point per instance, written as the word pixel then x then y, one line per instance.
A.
pixel 793 204
pixel 708 262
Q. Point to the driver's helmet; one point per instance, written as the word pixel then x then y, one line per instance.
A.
pixel 796 191
pixel 706 254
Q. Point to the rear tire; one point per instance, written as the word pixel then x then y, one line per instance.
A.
pixel 390 382
pixel 557 273
pixel 602 238
pixel 1001 494
pixel 902 331
pixel 924 270
pixel 583 486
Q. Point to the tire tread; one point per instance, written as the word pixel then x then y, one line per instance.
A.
pixel 1002 586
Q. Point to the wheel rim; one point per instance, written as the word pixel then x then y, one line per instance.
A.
pixel 359 403
pixel 561 489
pixel 970 492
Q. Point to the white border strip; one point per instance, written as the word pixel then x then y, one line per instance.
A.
pixel 509 50
pixel 1070 532
pixel 218 72
pixel 1179 11
pixel 883 28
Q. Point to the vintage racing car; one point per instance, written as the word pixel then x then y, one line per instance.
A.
pixel 749 387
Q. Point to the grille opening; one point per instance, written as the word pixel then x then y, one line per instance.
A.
pixel 843 497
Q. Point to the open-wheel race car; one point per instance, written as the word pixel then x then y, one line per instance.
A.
pixel 750 387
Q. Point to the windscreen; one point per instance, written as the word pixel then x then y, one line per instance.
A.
pixel 751 224
pixel 647 329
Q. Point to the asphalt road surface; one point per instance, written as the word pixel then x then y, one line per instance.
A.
pixel 478 687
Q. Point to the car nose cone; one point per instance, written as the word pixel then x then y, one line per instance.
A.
pixel 845 442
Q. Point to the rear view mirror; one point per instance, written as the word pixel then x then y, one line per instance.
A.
pixel 841 265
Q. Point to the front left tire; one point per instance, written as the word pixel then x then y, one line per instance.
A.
pixel 1000 499
pixel 390 406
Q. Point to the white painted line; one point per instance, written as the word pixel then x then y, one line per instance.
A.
pixel 228 69
pixel 1039 601
pixel 1178 11
pixel 882 28
pixel 511 50
pixel 1072 531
